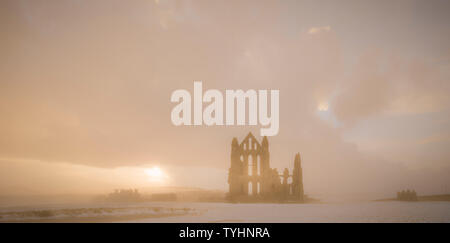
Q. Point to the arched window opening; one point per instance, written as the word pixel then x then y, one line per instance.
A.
pixel 250 165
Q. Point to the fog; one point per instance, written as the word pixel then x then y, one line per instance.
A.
pixel 85 92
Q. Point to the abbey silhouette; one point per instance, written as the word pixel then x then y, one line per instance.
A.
pixel 251 179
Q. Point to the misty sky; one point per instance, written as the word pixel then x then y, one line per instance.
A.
pixel 85 92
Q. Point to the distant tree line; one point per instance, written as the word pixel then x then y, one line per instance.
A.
pixel 408 195
pixel 124 195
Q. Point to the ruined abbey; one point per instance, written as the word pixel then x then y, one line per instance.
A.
pixel 251 179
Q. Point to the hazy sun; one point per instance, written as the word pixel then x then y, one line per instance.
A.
pixel 155 174
pixel 323 106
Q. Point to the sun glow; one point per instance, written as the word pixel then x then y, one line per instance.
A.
pixel 323 106
pixel 155 174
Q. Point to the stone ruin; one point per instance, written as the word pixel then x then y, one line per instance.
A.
pixel 251 179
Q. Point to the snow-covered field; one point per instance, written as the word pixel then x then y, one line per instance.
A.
pixel 89 212
pixel 343 212
pixel 225 212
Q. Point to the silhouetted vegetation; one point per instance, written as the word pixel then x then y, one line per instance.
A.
pixel 124 195
pixel 407 195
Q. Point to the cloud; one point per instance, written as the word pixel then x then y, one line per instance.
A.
pixel 387 84
pixel 99 94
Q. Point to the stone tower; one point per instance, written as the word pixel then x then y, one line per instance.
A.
pixel 297 179
pixel 235 172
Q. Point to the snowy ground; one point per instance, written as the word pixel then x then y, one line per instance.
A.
pixel 342 212
pixel 225 212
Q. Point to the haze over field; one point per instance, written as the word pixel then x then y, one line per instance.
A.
pixel 85 92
